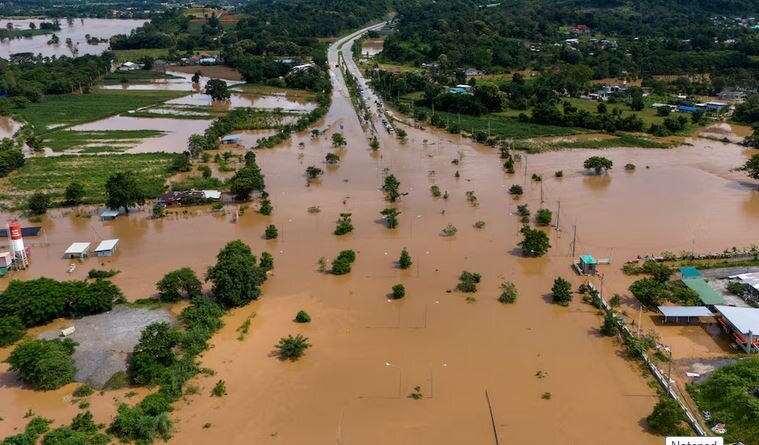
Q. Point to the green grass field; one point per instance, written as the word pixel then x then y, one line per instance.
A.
pixel 98 141
pixel 131 55
pixel 135 76
pixel 72 109
pixel 52 175
pixel 506 125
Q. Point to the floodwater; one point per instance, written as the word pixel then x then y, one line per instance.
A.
pixel 174 141
pixel 369 353
pixel 76 31
pixel 372 47
pixel 244 100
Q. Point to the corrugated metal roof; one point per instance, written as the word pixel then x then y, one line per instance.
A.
pixel 685 311
pixel 690 272
pixel 752 279
pixel 744 319
pixel 705 292
pixel 106 245
pixel 77 248
pixel 588 259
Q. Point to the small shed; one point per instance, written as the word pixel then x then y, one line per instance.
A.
pixel 109 215
pixel 77 250
pixel 743 325
pixel 231 139
pixel 107 247
pixel 588 264
pixel 687 312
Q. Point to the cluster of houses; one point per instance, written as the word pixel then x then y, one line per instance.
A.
pixel 189 197
pixel 297 65
pixel 714 107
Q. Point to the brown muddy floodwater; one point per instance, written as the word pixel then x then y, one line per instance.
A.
pixel 368 352
pixel 76 31
pixel 372 47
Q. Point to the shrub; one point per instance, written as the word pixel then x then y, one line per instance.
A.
pixel 271 232
pixel 38 203
pixel 508 292
pixel 733 287
pixel 343 263
pixel 44 364
pixel 404 262
pixel 559 173
pixel 479 224
pixel 178 283
pixel 435 190
pixel 449 230
pixel 118 380
pixel 94 273
pixel 667 418
pixel 344 224
pixel 543 217
pixel 135 425
pixel 302 317
pixel 292 348
pixel 522 210
pixel 536 177
pixel 468 282
pixel 154 353
pixel 516 190
pixel 562 291
pixel 219 389
pixel 11 330
pixel 266 207
pixel 629 167
pixel 266 262
pixel 83 391
pixel 399 291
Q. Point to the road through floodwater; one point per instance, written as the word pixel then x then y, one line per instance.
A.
pixel 369 352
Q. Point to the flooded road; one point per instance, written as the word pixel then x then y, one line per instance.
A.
pixel 76 30
pixel 369 353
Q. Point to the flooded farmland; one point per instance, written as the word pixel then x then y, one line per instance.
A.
pixel 370 352
pixel 76 30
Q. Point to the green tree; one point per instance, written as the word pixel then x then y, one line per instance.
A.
pixel 271 232
pixel 404 262
pixel 391 217
pixel 338 140
pixel 562 291
pixel 292 348
pixel 649 292
pixel 99 296
pixel 543 217
pixel 343 263
pixel 534 242
pixel 74 194
pixel 391 188
pixel 123 190
pixel 667 418
pixel 178 283
pixel 344 224
pixel 38 203
pixel 516 190
pixel 374 144
pixel 313 172
pixel 401 134
pixel 44 364
pixel 302 317
pixel 196 143
pixel 11 330
pixel 598 164
pixel 217 89
pixel 236 278
pixel 751 167
pixel 399 291
pixel 332 158
pixel 508 292
pixel 247 180
pixel 610 326
pixel 266 262
pixel 265 208
pixel 154 353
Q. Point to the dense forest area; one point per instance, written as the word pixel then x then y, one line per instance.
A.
pixel 612 38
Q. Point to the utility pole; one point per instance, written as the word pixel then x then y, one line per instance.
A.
pixel 640 317
pixel 525 170
pixel 541 192
pixel 558 215
pixel 669 370
pixel 574 240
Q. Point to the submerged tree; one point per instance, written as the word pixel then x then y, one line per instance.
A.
pixel 292 348
pixel 313 172
pixel 598 164
pixel 391 188
pixel 338 140
pixel 391 217
pixel 217 89
pixel 344 224
pixel 236 278
pixel 751 167
pixel 535 242
pixel 562 291
pixel 404 262
pixel 176 283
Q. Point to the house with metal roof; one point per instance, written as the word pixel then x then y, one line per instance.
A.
pixel 77 250
pixel 107 247
pixel 690 272
pixel 742 323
